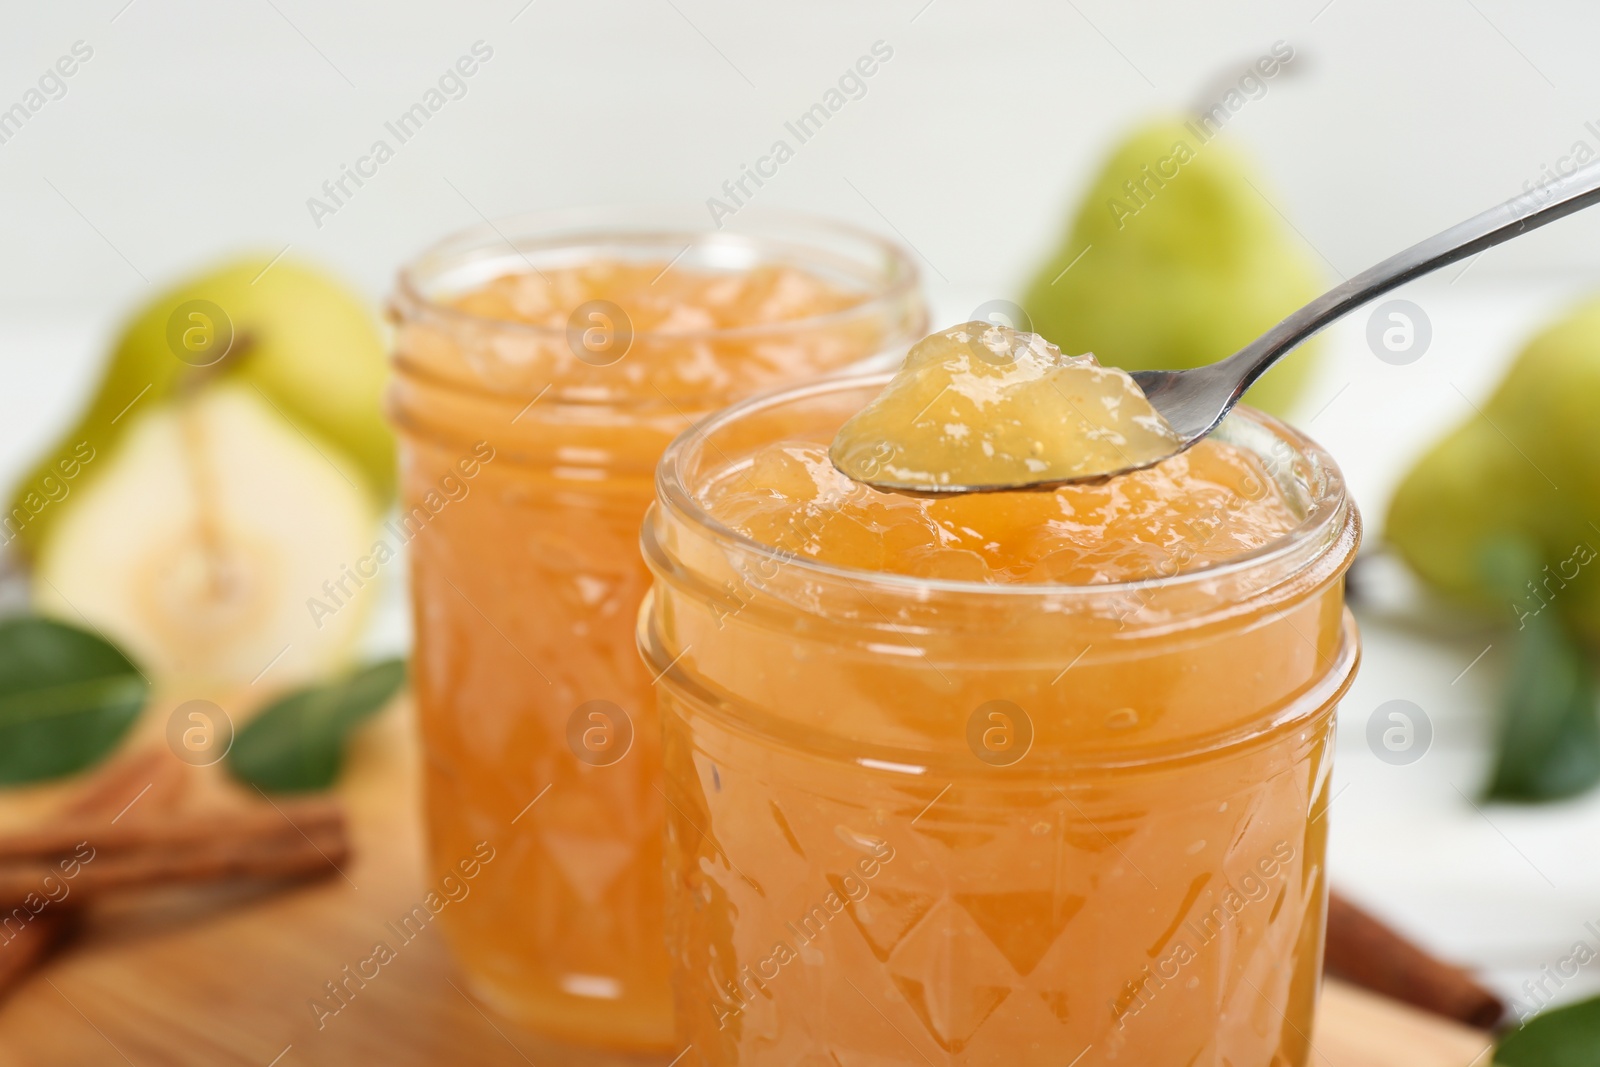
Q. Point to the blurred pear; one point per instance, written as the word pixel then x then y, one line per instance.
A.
pixel 294 337
pixel 1182 263
pixel 1525 469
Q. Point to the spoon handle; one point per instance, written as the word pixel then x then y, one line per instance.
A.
pixel 1516 216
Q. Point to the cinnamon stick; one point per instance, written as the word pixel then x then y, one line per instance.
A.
pixel 61 836
pixel 169 850
pixel 1366 952
pixel 151 778
pixel 31 944
pixel 123 831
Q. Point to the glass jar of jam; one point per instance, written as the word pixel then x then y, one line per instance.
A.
pixel 541 366
pixel 1027 778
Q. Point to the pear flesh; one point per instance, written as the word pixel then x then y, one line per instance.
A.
pixel 204 544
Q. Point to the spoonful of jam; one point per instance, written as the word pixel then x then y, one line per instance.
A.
pixel 981 407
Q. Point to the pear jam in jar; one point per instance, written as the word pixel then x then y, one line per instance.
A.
pixel 542 365
pixel 1031 778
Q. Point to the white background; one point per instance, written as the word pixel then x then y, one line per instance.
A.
pixel 198 129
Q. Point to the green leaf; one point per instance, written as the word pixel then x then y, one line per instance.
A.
pixel 1550 739
pixel 1565 1037
pixel 1550 731
pixel 297 743
pixel 66 699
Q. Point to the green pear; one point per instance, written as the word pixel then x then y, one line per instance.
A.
pixel 1182 263
pixel 1524 469
pixel 290 334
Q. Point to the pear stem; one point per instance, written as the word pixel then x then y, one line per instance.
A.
pixel 192 379
pixel 1216 88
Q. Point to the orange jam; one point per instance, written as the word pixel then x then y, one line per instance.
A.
pixel 1031 778
pixel 536 386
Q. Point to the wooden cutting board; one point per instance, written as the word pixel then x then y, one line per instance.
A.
pixel 215 981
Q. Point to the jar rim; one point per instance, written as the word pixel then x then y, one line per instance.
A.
pixel 1328 513
pixel 900 276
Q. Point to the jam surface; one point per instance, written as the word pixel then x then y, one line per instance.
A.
pixel 1204 506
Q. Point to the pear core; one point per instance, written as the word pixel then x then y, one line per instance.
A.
pixel 986 406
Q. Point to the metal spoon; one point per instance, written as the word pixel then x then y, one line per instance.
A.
pixel 1195 401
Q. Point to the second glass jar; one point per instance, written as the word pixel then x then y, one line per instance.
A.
pixel 528 450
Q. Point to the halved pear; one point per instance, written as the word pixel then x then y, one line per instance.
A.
pixel 305 341
pixel 204 545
